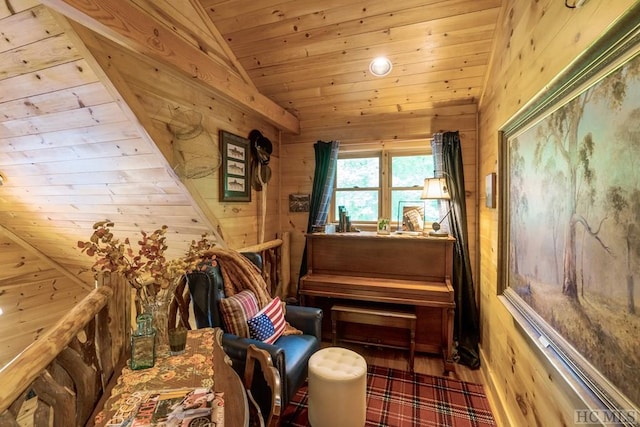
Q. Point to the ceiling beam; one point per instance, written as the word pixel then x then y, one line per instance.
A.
pixel 124 23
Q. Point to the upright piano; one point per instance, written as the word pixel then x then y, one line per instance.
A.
pixel 397 270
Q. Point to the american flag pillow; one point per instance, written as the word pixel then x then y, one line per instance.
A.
pixel 268 324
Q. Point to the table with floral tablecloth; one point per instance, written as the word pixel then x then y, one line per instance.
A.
pixel 192 369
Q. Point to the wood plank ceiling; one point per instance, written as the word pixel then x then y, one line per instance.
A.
pixel 312 56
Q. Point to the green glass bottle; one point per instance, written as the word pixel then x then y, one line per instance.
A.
pixel 143 343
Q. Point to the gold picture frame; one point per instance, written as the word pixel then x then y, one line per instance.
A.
pixel 568 181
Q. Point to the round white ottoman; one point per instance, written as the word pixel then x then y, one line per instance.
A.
pixel 337 388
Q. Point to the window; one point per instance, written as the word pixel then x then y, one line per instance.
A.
pixel 372 185
pixel 358 187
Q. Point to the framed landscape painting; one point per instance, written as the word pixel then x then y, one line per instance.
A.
pixel 570 222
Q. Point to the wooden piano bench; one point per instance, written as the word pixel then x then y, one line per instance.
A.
pixel 375 317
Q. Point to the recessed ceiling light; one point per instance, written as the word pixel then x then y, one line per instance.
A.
pixel 380 66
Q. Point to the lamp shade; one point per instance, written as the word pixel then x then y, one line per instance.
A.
pixel 435 188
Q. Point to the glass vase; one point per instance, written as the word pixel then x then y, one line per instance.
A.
pixel 143 343
pixel 159 310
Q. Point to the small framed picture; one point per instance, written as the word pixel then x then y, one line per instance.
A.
pixel 299 202
pixel 234 173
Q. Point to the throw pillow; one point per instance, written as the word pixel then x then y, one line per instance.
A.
pixel 236 310
pixel 270 317
pixel 260 327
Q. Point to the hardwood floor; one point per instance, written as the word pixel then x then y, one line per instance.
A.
pixel 399 359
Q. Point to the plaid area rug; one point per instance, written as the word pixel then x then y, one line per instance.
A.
pixel 397 398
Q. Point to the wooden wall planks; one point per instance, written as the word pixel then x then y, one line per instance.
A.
pixel 535 41
pixel 26 285
pixel 158 89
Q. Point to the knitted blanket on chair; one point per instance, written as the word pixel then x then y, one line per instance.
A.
pixel 239 274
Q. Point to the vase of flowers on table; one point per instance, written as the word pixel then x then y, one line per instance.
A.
pixel 147 270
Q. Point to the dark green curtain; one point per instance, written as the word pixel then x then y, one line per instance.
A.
pixel 467 322
pixel 323 180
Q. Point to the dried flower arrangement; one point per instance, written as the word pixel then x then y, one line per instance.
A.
pixel 148 271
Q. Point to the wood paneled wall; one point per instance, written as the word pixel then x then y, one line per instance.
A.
pixel 157 90
pixel 27 284
pixel 68 147
pixel 536 40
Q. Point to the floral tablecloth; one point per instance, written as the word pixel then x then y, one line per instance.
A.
pixel 193 368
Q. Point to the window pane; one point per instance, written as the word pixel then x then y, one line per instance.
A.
pixel 408 171
pixel 361 205
pixel 398 196
pixel 431 210
pixel 362 173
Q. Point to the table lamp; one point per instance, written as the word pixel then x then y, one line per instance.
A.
pixel 436 189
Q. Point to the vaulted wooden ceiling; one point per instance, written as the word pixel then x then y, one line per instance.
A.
pixel 312 57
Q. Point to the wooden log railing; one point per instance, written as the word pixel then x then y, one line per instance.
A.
pixel 275 259
pixel 275 271
pixel 63 376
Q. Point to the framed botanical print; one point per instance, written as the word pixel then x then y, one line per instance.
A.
pixel 236 165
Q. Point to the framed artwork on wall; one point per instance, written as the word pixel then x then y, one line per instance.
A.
pixel 299 202
pixel 490 190
pixel 569 256
pixel 236 165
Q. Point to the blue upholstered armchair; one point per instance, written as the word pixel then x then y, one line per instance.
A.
pixel 290 353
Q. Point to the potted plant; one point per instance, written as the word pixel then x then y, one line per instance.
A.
pixel 384 226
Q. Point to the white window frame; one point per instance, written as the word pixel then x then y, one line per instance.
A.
pixel 385 157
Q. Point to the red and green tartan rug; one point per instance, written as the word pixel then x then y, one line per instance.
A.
pixel 398 398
